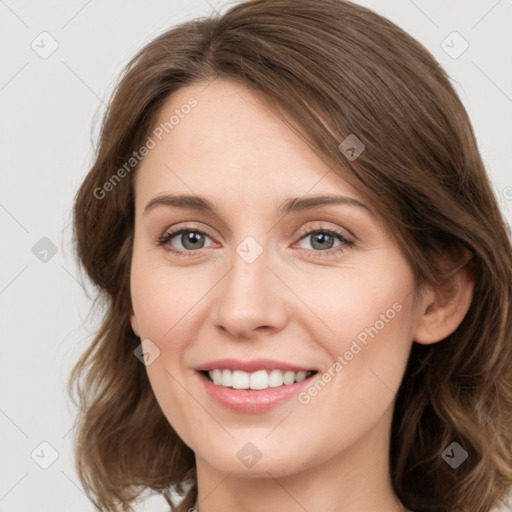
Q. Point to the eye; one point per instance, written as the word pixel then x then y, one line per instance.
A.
pixel 322 240
pixel 190 239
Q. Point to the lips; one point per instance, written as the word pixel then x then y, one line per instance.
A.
pixel 252 366
pixel 250 401
pixel 253 386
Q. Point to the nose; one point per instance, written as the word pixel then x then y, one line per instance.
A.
pixel 249 299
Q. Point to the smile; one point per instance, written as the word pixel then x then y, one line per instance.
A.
pixel 258 380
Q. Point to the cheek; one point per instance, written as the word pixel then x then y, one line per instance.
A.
pixel 363 304
pixel 372 316
pixel 163 301
pixel 163 298
pixel 366 313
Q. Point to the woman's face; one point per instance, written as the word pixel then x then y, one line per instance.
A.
pixel 249 282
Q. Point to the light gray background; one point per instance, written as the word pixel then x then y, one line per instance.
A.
pixel 51 108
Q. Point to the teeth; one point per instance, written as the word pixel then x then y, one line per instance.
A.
pixel 261 379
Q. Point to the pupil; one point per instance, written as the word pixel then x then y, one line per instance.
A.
pixel 190 239
pixel 322 237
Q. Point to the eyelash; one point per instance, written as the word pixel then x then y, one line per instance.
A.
pixel 163 241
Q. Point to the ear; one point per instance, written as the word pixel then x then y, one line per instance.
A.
pixel 442 310
pixel 134 323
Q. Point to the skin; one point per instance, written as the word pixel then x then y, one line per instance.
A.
pixel 293 303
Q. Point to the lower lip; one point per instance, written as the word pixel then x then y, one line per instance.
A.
pixel 252 401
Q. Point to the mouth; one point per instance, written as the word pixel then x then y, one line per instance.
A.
pixel 256 381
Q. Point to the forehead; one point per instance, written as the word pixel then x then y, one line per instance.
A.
pixel 220 139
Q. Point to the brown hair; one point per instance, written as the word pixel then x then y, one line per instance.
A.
pixel 335 69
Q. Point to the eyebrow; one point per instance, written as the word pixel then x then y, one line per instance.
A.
pixel 295 204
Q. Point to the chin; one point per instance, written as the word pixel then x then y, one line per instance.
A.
pixel 249 461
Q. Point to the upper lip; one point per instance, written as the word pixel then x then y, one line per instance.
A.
pixel 251 366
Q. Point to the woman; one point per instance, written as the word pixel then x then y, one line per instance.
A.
pixel 240 363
